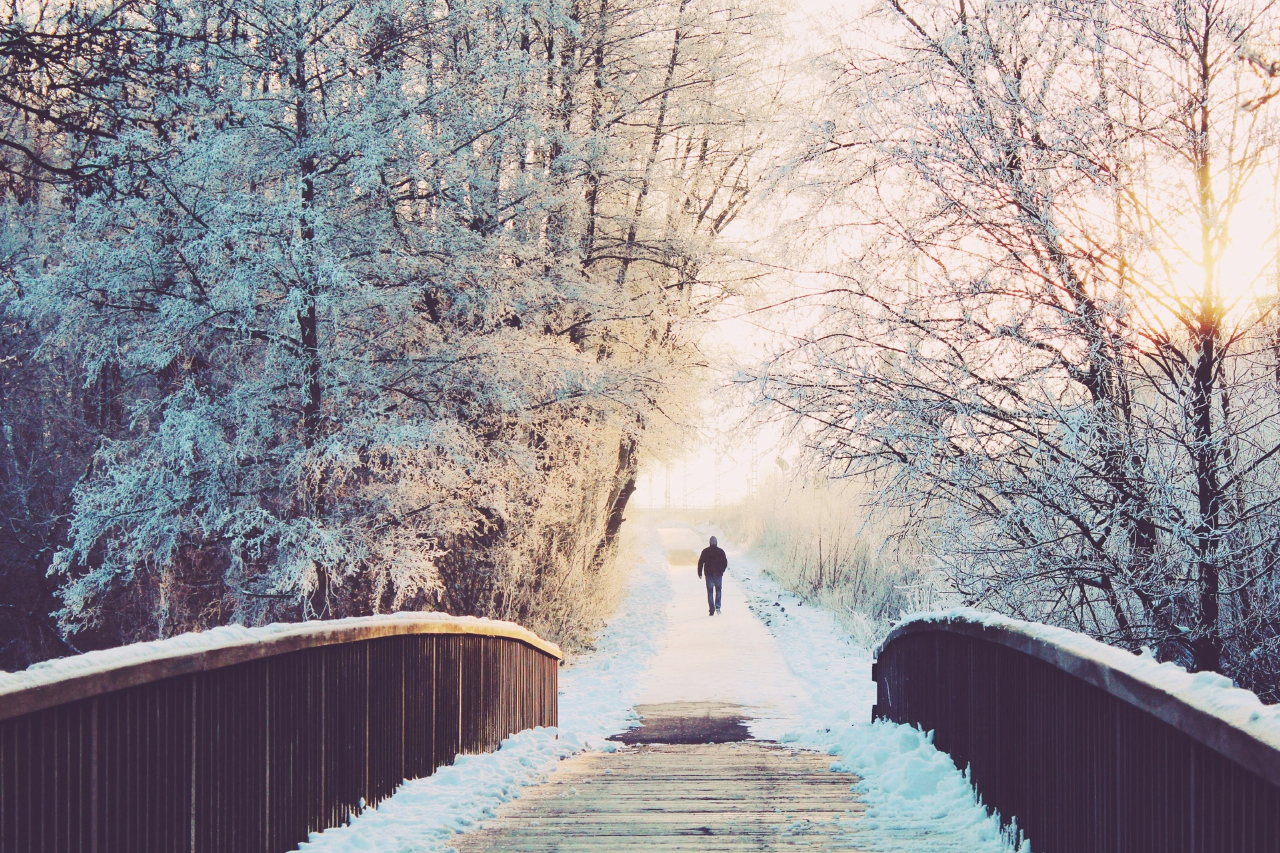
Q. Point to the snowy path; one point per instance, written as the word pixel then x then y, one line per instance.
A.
pixel 804 683
pixel 727 658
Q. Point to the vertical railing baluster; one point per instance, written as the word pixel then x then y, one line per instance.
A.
pixel 1080 770
pixel 251 756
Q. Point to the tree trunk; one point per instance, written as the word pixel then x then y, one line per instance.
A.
pixel 659 130
pixel 308 321
pixel 624 484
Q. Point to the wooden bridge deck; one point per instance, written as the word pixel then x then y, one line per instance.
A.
pixel 739 795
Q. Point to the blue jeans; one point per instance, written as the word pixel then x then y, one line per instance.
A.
pixel 714 582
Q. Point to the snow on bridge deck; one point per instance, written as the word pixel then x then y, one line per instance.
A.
pixel 704 772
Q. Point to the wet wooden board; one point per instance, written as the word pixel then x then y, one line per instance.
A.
pixel 711 798
pixel 688 722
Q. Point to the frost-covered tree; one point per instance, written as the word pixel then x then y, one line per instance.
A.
pixel 380 302
pixel 320 281
pixel 1024 345
pixel 71 77
pixel 687 93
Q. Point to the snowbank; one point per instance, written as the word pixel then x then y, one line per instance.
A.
pixel 424 814
pixel 598 693
pixel 916 799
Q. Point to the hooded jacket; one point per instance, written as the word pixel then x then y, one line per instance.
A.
pixel 713 561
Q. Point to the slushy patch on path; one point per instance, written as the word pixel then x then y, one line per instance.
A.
pixel 688 723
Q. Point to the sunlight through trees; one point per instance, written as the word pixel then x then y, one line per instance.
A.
pixel 1037 339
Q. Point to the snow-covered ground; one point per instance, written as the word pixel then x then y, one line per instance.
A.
pixel 731 658
pixel 806 682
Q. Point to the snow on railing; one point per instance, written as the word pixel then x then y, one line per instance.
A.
pixel 81 676
pixel 1086 746
pixel 239 739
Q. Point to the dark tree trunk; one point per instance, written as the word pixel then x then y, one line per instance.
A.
pixel 624 485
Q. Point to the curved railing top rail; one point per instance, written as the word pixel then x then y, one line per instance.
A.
pixel 94 673
pixel 1203 705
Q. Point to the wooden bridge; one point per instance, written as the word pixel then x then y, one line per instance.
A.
pixel 247 740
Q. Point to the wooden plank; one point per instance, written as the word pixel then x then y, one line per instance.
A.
pixel 658 798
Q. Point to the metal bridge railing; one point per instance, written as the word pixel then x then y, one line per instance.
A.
pixel 246 740
pixel 1090 748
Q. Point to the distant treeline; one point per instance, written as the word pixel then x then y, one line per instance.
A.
pixel 820 540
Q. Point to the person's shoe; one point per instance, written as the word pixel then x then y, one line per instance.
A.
pixel 717 611
pixel 711 613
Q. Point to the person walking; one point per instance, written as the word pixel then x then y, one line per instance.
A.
pixel 713 562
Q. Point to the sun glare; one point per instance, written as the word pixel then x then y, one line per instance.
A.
pixel 1246 271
